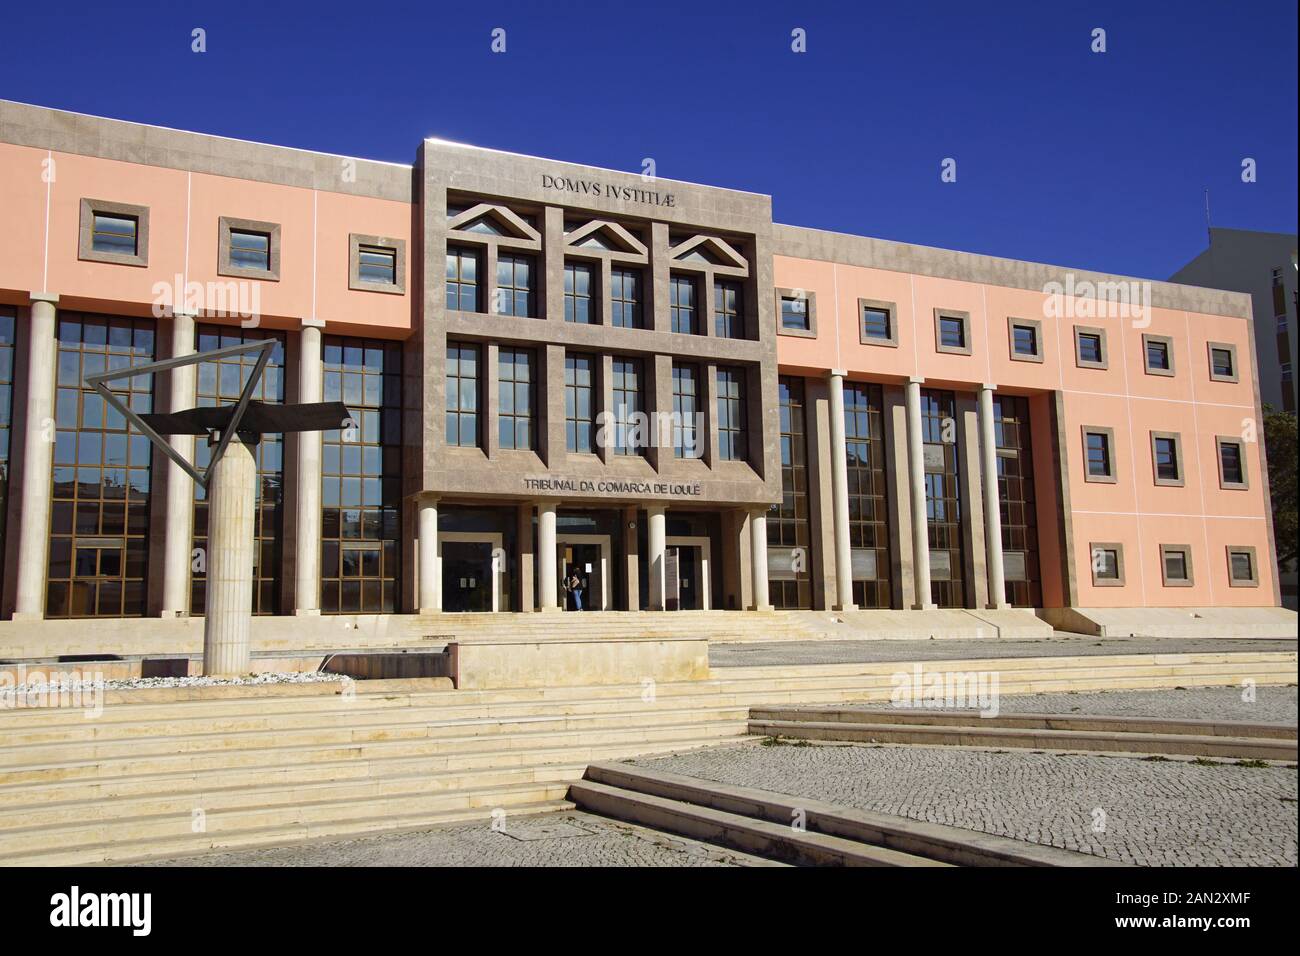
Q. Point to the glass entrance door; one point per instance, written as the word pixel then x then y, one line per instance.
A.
pixel 688 596
pixel 467 576
pixel 582 561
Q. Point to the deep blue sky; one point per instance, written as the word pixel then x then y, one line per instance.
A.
pixel 1065 156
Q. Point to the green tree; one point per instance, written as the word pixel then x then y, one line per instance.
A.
pixel 1280 446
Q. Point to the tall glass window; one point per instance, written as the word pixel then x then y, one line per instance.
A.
pixel 727 319
pixel 220 383
pixel 628 439
pixel 1018 505
pixel 789 532
pixel 686 388
pixel 99 522
pixel 579 404
pixel 733 439
pixel 515 399
pixel 7 323
pixel 462 395
pixel 515 286
pixel 864 441
pixel 361 478
pixel 682 305
pixel 943 498
pixel 578 287
pixel 625 298
pixel 462 280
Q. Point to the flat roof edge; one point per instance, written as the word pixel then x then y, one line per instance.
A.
pixel 65 131
pixel 801 242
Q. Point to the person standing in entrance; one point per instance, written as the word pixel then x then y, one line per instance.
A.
pixel 573 585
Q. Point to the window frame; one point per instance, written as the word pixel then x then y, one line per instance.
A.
pixel 810 312
pixel 942 315
pixel 479 385
pixel 462 252
pixel 357 283
pixel 676 279
pixel 1112 476
pixel 889 341
pixel 572 297
pixel 1036 327
pixel 86 250
pixel 514 259
pixel 618 277
pixel 1181 478
pixel 1248 550
pixel 1118 548
pixel 1080 362
pixel 736 425
pixel 1186 551
pixel 1233 376
pixel 1150 339
pixel 1219 442
pixel 530 389
pixel 228 224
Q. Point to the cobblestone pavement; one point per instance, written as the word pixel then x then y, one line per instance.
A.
pixel 570 838
pixel 1149 813
pixel 762 653
pixel 1271 704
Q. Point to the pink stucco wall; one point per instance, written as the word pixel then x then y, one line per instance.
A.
pixel 1133 511
pixel 184 209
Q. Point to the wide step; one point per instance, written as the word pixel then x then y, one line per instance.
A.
pixel 623 789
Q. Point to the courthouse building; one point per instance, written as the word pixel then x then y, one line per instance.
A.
pixel 553 368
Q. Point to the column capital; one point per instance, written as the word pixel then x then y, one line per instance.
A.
pixel 51 297
pixel 426 497
pixel 183 313
pixel 916 380
pixel 988 387
pixel 838 373
pixel 652 509
pixel 313 323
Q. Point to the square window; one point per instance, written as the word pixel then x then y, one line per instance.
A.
pixel 376 264
pixel 1159 351
pixel 1107 564
pixel 1223 362
pixel 1026 339
pixel 877 323
pixel 1089 347
pixel 1242 571
pixel 248 248
pixel 113 232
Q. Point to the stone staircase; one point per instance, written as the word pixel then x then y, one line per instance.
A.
pixel 969 728
pixel 174 771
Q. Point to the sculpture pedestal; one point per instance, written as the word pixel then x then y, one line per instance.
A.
pixel 232 506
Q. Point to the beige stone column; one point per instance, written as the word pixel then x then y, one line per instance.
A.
pixel 38 461
pixel 179 534
pixel 916 479
pixel 840 497
pixel 656 544
pixel 992 506
pixel 430 589
pixel 758 559
pixel 232 504
pixel 307 558
pixel 527 562
pixel 547 555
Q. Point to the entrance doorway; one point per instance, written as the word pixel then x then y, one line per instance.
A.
pixel 471 571
pixel 686 574
pixel 588 555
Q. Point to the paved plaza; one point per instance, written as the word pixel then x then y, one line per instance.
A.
pixel 566 839
pixel 1173 812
